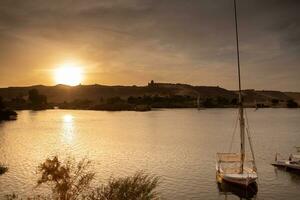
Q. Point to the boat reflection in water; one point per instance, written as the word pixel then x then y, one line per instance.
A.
pixel 227 189
pixel 293 174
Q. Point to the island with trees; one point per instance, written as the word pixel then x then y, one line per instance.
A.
pixel 6 113
pixel 140 98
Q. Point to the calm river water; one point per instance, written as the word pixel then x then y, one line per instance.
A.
pixel 178 145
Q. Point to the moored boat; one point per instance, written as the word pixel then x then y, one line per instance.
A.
pixel 292 163
pixel 233 173
pixel 235 167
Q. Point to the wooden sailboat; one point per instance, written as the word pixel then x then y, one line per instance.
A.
pixel 236 167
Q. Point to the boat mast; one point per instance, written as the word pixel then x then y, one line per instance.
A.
pixel 198 101
pixel 241 109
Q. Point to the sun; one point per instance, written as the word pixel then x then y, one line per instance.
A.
pixel 68 74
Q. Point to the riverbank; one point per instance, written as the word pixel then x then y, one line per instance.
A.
pixel 171 143
pixel 7 114
pixel 141 98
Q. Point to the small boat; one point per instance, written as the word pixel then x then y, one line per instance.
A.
pixel 236 168
pixel 229 169
pixel 292 163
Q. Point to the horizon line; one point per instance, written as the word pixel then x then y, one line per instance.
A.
pixel 97 84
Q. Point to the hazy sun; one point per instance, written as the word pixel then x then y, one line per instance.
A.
pixel 68 74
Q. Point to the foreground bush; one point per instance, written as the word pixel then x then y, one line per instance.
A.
pixel 69 180
pixel 137 187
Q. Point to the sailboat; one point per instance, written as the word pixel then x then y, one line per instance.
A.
pixel 237 168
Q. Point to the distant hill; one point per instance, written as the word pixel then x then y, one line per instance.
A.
pixel 95 93
pixel 294 95
pixel 61 93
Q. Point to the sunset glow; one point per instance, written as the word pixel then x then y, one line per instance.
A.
pixel 67 118
pixel 149 99
pixel 68 74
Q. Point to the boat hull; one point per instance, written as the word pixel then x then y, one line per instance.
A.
pixel 243 192
pixel 287 165
pixel 238 179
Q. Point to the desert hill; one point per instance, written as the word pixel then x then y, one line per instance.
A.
pixel 95 93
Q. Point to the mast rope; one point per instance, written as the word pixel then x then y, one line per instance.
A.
pixel 233 134
pixel 250 140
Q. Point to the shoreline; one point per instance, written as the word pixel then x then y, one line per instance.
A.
pixel 158 109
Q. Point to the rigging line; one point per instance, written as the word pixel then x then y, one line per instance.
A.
pixel 250 139
pixel 234 131
pixel 247 123
pixel 251 147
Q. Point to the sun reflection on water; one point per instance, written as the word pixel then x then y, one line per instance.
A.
pixel 68 118
pixel 68 128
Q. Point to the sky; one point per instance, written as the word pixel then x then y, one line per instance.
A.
pixel 130 42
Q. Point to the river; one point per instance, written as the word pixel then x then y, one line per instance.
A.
pixel 178 145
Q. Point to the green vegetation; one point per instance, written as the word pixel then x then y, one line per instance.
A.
pixel 275 101
pixel 1 103
pixel 171 101
pixel 113 104
pixel 36 100
pixel 3 169
pixel 219 102
pixel 32 101
pixel 140 186
pixel 146 102
pixel 137 103
pixel 292 104
pixel 5 113
pixel 69 180
pixel 139 98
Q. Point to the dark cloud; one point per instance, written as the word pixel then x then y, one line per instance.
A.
pixel 188 41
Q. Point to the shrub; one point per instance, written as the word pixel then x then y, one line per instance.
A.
pixel 275 101
pixel 67 180
pixel 71 181
pixel 292 104
pixel 140 186
pixel 3 169
pixel 208 103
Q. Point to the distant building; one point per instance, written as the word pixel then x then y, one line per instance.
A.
pixel 151 84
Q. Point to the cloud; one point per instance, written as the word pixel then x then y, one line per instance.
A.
pixel 189 41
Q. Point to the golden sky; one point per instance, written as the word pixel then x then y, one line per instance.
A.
pixel 130 42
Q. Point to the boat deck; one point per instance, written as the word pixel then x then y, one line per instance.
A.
pixel 287 164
